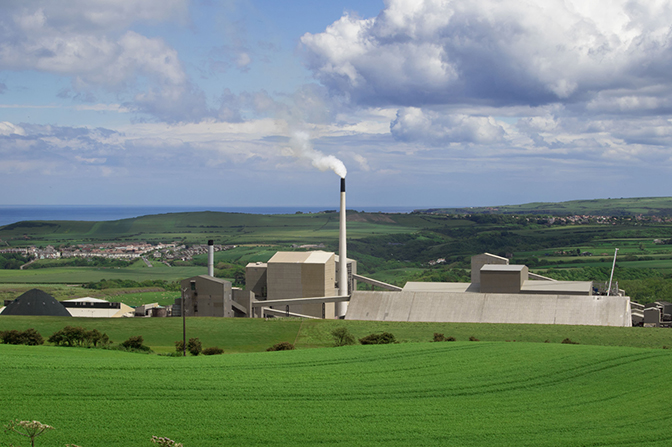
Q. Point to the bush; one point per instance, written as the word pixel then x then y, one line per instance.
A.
pixel 179 347
pixel 472 338
pixel 194 346
pixel 28 337
pixel 378 339
pixel 214 350
pixel 135 344
pixel 32 338
pixel 284 346
pixel 439 337
pixel 567 341
pixel 343 337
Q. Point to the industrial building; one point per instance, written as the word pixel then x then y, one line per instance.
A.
pixel 284 284
pixel 498 293
pixel 312 285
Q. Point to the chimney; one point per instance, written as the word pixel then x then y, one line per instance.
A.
pixel 342 307
pixel 211 258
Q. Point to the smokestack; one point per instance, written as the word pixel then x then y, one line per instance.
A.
pixel 343 257
pixel 211 258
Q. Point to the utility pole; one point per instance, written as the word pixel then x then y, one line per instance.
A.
pixel 184 325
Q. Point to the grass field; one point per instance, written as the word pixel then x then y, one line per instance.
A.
pixel 250 335
pixel 457 394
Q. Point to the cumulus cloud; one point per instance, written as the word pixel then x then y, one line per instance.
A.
pixel 493 52
pixel 414 124
pixel 89 42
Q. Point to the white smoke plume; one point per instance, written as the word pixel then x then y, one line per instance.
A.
pixel 301 147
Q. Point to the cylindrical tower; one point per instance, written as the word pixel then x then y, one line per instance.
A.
pixel 211 258
pixel 342 307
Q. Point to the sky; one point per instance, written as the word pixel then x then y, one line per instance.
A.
pixel 266 103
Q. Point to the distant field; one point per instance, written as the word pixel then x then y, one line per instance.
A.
pixel 457 394
pixel 225 228
pixel 658 206
pixel 80 275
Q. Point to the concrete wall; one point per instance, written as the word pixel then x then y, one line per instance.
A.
pixel 302 275
pixel 208 297
pixel 256 278
pixel 490 308
pixel 479 261
pixel 503 279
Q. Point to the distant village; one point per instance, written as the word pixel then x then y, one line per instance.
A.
pixel 162 252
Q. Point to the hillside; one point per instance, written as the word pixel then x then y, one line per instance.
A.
pixel 648 206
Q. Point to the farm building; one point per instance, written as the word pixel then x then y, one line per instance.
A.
pixel 96 308
pixel 35 302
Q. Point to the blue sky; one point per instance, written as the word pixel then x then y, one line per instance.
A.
pixel 425 103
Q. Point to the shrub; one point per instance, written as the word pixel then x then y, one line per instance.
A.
pixel 179 346
pixel 214 350
pixel 194 346
pixel 472 338
pixel 450 339
pixel 439 337
pixel 378 339
pixel 567 341
pixel 284 346
pixel 69 336
pixel 135 344
pixel 12 337
pixel 343 337
pixel 28 337
pixel 32 338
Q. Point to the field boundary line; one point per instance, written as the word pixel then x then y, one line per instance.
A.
pixel 299 331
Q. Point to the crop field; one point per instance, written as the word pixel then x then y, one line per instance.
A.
pixel 458 394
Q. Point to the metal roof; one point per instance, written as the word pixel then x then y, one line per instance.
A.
pixel 36 302
pixel 301 257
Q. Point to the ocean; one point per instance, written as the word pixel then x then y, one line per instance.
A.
pixel 10 214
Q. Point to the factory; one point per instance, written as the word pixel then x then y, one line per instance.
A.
pixel 313 284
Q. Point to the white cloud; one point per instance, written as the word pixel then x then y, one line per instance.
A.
pixel 495 52
pixel 415 125
pixel 89 42
pixel 7 128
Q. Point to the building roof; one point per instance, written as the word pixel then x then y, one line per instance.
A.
pixel 256 265
pixel 557 287
pixel 502 268
pixel 36 302
pixel 86 299
pixel 301 257
pixel 413 286
pixel 208 278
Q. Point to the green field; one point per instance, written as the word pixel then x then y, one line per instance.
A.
pixel 658 206
pixel 255 335
pixel 457 394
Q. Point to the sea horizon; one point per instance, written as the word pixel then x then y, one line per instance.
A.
pixel 10 214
